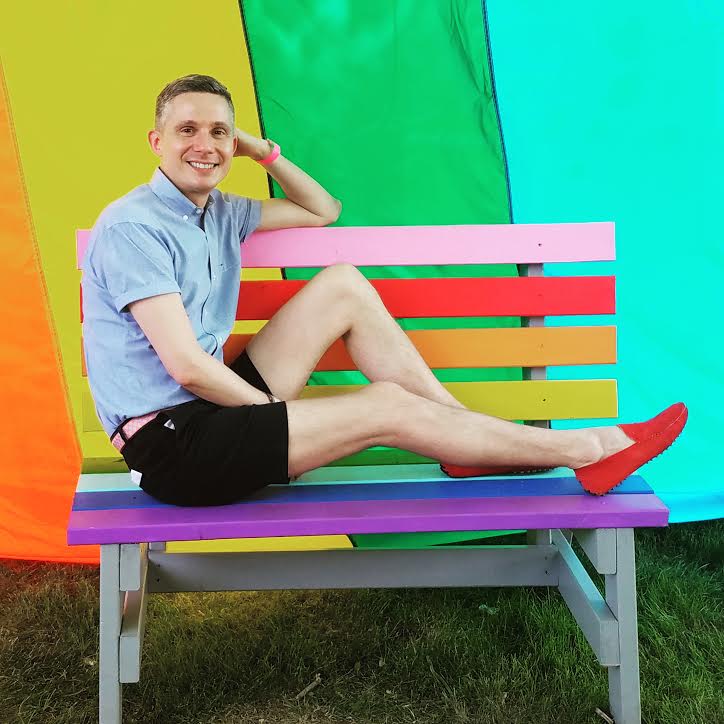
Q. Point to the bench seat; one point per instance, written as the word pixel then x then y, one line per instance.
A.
pixel 430 503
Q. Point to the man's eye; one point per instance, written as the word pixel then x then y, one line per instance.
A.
pixel 220 131
pixel 187 129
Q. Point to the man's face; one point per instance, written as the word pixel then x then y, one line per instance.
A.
pixel 195 143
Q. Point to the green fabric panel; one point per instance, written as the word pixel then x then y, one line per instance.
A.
pixel 395 541
pixel 390 107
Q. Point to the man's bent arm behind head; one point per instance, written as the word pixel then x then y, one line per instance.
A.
pixel 307 203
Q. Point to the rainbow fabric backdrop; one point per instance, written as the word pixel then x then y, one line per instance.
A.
pixel 443 112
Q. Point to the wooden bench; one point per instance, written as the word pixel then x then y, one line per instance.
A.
pixel 148 547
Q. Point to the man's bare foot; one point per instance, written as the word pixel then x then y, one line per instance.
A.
pixel 603 442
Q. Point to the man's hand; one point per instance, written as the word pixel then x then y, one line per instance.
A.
pixel 165 323
pixel 306 202
pixel 248 145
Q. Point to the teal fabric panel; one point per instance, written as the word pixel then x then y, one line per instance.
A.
pixel 613 112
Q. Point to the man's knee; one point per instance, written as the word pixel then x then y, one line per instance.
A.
pixel 388 397
pixel 389 408
pixel 385 389
pixel 347 279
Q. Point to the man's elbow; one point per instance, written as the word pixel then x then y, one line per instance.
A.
pixel 185 371
pixel 333 214
pixel 184 377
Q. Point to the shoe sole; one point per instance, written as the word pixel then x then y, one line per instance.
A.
pixel 501 473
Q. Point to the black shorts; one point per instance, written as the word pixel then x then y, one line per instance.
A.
pixel 216 455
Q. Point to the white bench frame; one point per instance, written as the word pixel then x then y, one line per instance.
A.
pixel 130 572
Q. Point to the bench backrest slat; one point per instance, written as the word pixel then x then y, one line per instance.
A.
pixel 488 297
pixel 416 245
pixel 457 297
pixel 494 347
pixel 511 400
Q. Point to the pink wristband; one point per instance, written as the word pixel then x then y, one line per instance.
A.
pixel 273 156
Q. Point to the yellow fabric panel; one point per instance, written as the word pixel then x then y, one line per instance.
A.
pixel 106 94
pixel 251 545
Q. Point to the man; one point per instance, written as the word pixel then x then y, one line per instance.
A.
pixel 160 286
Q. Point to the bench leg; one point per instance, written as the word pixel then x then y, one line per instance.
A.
pixel 111 612
pixel 538 537
pixel 543 537
pixel 624 691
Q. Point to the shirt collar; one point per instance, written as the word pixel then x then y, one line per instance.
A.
pixel 171 196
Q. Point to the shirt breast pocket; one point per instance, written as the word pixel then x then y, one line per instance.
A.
pixel 227 270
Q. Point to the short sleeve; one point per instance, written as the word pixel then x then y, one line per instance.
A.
pixel 249 215
pixel 133 263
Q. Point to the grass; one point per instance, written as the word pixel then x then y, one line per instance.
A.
pixel 414 656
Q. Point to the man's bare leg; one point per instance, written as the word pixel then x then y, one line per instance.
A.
pixel 383 413
pixel 382 351
pixel 376 330
pixel 340 302
pixel 414 412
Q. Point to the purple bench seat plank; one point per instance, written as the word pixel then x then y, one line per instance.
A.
pixel 419 489
pixel 356 517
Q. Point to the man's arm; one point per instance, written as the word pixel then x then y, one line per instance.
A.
pixel 165 323
pixel 307 203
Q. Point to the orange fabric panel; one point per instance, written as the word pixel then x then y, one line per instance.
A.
pixel 38 478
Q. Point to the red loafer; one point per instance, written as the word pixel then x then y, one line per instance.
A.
pixel 638 431
pixel 601 477
pixel 469 471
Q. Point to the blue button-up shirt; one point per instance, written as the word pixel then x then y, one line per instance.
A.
pixel 154 241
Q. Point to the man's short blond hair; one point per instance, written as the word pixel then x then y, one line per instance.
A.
pixel 190 84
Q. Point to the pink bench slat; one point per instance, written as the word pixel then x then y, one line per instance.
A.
pixel 420 245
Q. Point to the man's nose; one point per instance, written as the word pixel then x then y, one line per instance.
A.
pixel 203 141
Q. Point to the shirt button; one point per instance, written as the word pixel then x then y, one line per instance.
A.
pixel 197 211
pixel 186 218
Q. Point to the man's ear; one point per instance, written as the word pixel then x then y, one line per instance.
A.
pixel 154 140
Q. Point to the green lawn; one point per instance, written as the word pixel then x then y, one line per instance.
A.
pixel 458 655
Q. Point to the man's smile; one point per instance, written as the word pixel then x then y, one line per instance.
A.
pixel 202 166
